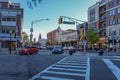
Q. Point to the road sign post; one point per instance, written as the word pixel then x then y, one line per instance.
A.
pixel 84 44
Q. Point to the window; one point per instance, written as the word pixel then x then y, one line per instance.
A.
pixel 9 18
pixel 111 22
pixel 118 20
pixel 0 4
pixel 111 3
pixel 112 12
pixel 113 32
pixel 6 29
pixel 118 1
pixel 119 31
pixel 118 9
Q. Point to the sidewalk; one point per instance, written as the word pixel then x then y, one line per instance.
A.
pixel 7 52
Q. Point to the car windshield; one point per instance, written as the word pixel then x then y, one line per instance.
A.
pixel 56 48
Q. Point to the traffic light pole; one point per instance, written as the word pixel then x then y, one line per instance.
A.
pixel 77 21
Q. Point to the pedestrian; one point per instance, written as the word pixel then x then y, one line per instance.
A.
pixel 101 51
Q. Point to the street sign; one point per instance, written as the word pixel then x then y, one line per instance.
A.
pixel 67 22
pixel 84 42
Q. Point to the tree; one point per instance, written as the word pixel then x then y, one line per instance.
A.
pixel 92 37
pixel 33 3
pixel 25 39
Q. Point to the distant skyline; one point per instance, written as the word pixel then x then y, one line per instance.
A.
pixel 52 9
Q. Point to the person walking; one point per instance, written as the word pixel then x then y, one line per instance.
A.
pixel 101 51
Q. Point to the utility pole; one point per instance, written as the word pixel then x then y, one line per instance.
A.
pixel 31 29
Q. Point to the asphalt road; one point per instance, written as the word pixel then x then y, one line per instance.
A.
pixel 24 67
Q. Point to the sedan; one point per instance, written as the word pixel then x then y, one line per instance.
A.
pixel 57 50
pixel 28 50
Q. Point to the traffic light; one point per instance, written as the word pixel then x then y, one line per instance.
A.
pixel 14 34
pixel 60 21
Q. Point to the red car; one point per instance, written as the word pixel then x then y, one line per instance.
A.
pixel 80 48
pixel 28 50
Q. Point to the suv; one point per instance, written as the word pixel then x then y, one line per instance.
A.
pixel 57 50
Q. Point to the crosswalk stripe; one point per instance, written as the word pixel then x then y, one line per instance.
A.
pixel 88 70
pixel 68 69
pixel 115 59
pixel 54 78
pixel 72 66
pixel 113 67
pixel 117 56
pixel 66 73
pixel 69 61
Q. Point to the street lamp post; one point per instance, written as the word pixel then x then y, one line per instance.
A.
pixel 10 42
pixel 31 29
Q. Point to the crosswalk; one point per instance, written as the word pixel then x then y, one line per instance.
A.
pixel 77 68
pixel 69 68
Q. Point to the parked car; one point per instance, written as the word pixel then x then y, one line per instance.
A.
pixel 43 47
pixel 65 48
pixel 28 50
pixel 57 50
pixel 80 49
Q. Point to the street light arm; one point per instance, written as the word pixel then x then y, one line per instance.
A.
pixel 39 20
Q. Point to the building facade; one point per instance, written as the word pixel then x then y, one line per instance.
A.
pixel 11 20
pixel 69 38
pixel 108 14
pixel 61 37
pixel 113 25
pixel 51 38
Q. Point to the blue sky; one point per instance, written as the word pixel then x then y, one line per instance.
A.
pixel 52 9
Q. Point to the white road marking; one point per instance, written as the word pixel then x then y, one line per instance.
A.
pixel 117 56
pixel 72 66
pixel 113 67
pixel 66 65
pixel 69 61
pixel 68 69
pixel 65 73
pixel 54 78
pixel 38 75
pixel 115 59
pixel 88 70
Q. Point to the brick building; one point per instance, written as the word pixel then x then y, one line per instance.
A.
pixel 11 20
